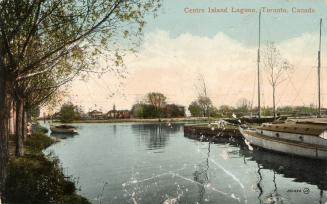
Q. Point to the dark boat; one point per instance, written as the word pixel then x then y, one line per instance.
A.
pixel 64 129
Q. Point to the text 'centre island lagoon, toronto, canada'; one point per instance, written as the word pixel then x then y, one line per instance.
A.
pixel 222 10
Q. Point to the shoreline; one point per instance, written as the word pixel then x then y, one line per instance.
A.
pixel 139 120
pixel 35 173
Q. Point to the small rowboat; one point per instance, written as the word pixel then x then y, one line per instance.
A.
pixel 63 129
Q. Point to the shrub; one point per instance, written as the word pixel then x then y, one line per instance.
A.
pixel 39 179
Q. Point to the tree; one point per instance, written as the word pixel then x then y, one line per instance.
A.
pixel 34 112
pixel 195 109
pixel 158 100
pixel 226 110
pixel 173 111
pixel 202 107
pixel 244 105
pixel 68 113
pixel 66 38
pixel 205 104
pixel 142 110
pixel 203 99
pixel 137 110
pixel 276 66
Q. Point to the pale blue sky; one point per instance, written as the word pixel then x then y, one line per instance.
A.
pixel 275 27
pixel 223 47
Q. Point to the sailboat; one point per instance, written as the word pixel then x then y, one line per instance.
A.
pixel 300 137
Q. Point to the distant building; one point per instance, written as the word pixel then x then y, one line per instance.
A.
pixel 119 114
pixel 95 114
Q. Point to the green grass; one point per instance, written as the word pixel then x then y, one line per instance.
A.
pixel 36 178
pixel 37 142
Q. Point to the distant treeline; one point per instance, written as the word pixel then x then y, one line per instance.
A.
pixel 154 105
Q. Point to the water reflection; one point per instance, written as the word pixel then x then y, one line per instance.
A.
pixel 185 171
pixel 301 170
pixel 310 171
pixel 62 135
pixel 155 136
pixel 201 175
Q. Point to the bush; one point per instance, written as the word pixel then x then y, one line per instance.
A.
pixel 34 179
pixel 39 179
pixel 38 129
pixel 37 142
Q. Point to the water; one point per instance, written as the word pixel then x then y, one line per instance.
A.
pixel 153 163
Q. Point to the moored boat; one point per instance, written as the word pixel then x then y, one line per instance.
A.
pixel 64 129
pixel 301 138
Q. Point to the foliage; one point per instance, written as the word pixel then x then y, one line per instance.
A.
pixel 38 129
pixel 145 111
pixel 226 110
pixel 202 107
pixel 35 112
pixel 38 142
pixel 173 111
pixel 155 106
pixel 68 113
pixel 297 110
pixel 137 110
pixel 45 44
pixel 214 112
pixel 37 179
pixel 157 100
pixel 244 105
pixel 195 109
pixel 267 111
pixel 150 111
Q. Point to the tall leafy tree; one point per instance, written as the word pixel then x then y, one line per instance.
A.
pixel 64 38
pixel 158 100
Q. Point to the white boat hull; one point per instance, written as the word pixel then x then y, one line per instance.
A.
pixel 285 146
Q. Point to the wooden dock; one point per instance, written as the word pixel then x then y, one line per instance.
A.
pixel 200 132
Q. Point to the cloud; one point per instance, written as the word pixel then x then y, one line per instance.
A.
pixel 171 66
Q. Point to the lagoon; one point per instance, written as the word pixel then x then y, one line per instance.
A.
pixel 156 163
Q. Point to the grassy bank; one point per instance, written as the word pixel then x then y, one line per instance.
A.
pixel 37 178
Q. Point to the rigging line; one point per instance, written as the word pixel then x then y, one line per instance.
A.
pixel 297 93
pixel 250 33
pixel 282 95
pixel 299 62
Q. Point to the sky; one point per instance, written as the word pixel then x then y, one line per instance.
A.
pixel 179 46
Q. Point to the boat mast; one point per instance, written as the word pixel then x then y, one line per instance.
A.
pixel 319 66
pixel 259 104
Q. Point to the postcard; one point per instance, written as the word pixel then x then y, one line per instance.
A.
pixel 163 101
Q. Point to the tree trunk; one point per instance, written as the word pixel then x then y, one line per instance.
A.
pixel 19 127
pixel 4 123
pixel 25 121
pixel 274 101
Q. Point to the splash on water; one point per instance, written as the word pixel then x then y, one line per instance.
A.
pixel 224 155
pixel 248 144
